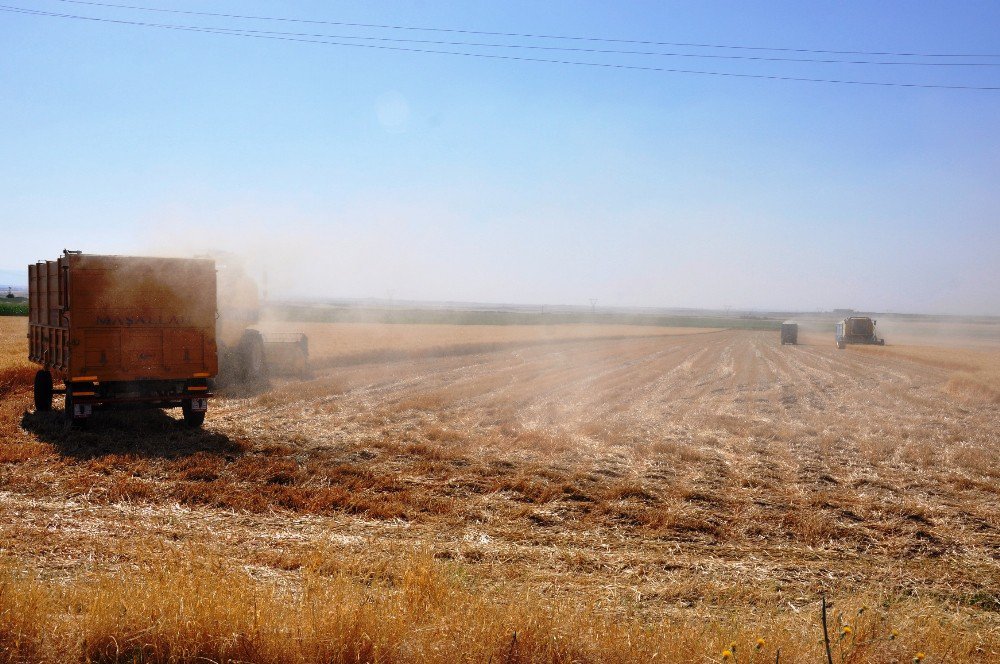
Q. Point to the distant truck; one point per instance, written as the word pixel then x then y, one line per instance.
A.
pixel 789 333
pixel 123 331
pixel 857 330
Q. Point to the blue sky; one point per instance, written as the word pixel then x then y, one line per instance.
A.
pixel 353 172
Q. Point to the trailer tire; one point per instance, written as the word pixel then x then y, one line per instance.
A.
pixel 43 391
pixel 192 418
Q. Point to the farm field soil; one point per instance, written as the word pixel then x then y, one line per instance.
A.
pixel 518 495
pixel 345 343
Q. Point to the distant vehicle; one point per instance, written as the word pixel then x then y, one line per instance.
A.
pixel 857 330
pixel 789 333
pixel 123 331
pixel 247 355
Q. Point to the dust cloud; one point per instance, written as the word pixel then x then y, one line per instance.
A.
pixel 394 252
pixel 385 253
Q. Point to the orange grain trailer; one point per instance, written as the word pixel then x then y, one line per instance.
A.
pixel 123 331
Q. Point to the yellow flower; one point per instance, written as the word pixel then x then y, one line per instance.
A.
pixel 893 634
pixel 919 657
pixel 760 643
pixel 847 630
pixel 727 654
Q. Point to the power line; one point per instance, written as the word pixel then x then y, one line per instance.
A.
pixel 622 51
pixel 243 33
pixel 528 35
pixel 600 51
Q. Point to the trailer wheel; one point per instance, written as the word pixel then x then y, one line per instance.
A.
pixel 192 418
pixel 43 391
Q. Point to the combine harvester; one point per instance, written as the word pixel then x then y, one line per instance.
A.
pixel 139 332
pixel 857 330
pixel 247 355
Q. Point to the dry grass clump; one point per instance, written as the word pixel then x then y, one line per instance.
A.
pixel 196 606
pixel 15 379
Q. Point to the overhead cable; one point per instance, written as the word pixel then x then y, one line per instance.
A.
pixel 528 35
pixel 235 32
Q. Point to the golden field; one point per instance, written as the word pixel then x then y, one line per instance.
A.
pixel 518 494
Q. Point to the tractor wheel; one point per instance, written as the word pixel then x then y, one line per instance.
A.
pixel 251 353
pixel 43 391
pixel 192 418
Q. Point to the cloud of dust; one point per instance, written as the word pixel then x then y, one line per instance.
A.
pixel 955 331
pixel 467 246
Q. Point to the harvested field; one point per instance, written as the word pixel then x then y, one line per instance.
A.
pixel 353 343
pixel 488 494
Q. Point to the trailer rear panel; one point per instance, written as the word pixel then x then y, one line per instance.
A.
pixel 123 318
pixel 789 333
